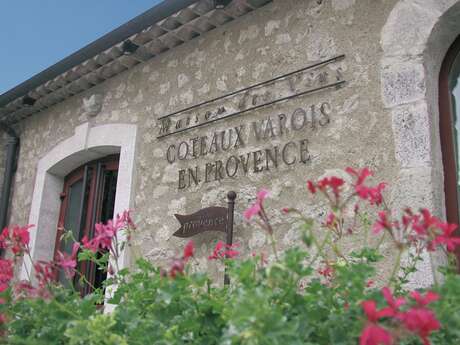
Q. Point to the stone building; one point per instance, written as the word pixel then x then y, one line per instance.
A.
pixel 194 98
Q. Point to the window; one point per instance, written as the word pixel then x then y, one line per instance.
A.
pixel 449 109
pixel 88 198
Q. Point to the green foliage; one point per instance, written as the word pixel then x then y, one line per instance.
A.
pixel 310 295
pixel 264 305
pixel 38 321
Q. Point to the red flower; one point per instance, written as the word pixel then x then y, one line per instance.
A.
pixel 44 273
pixel 217 250
pixel 372 314
pixel 262 194
pixel 382 223
pixel 4 237
pixel 423 224
pixel 373 194
pixel 422 301
pixel 447 237
pixel 222 250
pixel 25 289
pixel 375 335
pixel 326 272
pixel 361 176
pixel 421 321
pixel 68 262
pixel 90 245
pixel 6 273
pixel 330 219
pixel 125 220
pixel 103 237
pixel 188 250
pixel 257 206
pixel 105 233
pixel 332 182
pixel 177 267
pixel 18 239
pixel 285 210
pixel 394 303
pixel 311 187
pixel 252 211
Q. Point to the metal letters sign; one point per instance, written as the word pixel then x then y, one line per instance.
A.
pixel 323 75
pixel 206 219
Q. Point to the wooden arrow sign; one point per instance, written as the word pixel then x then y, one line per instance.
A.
pixel 206 219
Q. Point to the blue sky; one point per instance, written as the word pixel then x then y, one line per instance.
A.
pixel 35 34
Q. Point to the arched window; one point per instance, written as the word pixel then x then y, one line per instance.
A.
pixel 88 198
pixel 449 109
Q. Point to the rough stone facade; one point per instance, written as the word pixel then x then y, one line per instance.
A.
pixel 381 118
pixel 2 160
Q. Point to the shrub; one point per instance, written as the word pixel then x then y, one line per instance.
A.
pixel 312 294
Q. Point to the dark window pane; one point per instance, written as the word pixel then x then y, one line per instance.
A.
pixel 109 184
pixel 72 216
pixel 108 198
pixel 72 221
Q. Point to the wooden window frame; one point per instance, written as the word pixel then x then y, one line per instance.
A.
pixel 446 128
pixel 93 207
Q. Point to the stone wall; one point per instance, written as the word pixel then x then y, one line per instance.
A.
pixel 2 159
pixel 281 37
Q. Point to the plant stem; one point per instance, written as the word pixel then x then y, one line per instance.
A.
pixel 397 265
pixel 381 241
pixel 433 269
pixel 273 243
pixel 65 310
pixel 320 248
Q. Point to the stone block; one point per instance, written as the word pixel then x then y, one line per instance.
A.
pixel 402 82
pixel 409 26
pixel 411 129
pixel 413 188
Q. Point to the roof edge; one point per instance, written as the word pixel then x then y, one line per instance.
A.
pixel 135 25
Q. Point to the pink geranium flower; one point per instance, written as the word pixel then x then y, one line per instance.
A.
pixel 44 273
pixel 68 262
pixel 105 233
pixel 330 220
pixel 189 250
pixel 90 245
pixel 447 237
pixel 311 187
pixel 222 250
pixel 6 273
pixel 252 211
pixel 422 225
pixel 333 182
pixel 17 239
pixel 177 267
pixel 382 223
pixel 393 302
pixel 422 301
pixel 125 220
pixel 422 322
pixel 372 194
pixel 373 334
pixel 256 208
pixel 372 314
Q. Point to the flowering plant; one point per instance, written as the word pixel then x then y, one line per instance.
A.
pixel 317 293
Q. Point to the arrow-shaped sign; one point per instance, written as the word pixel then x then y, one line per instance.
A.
pixel 206 219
